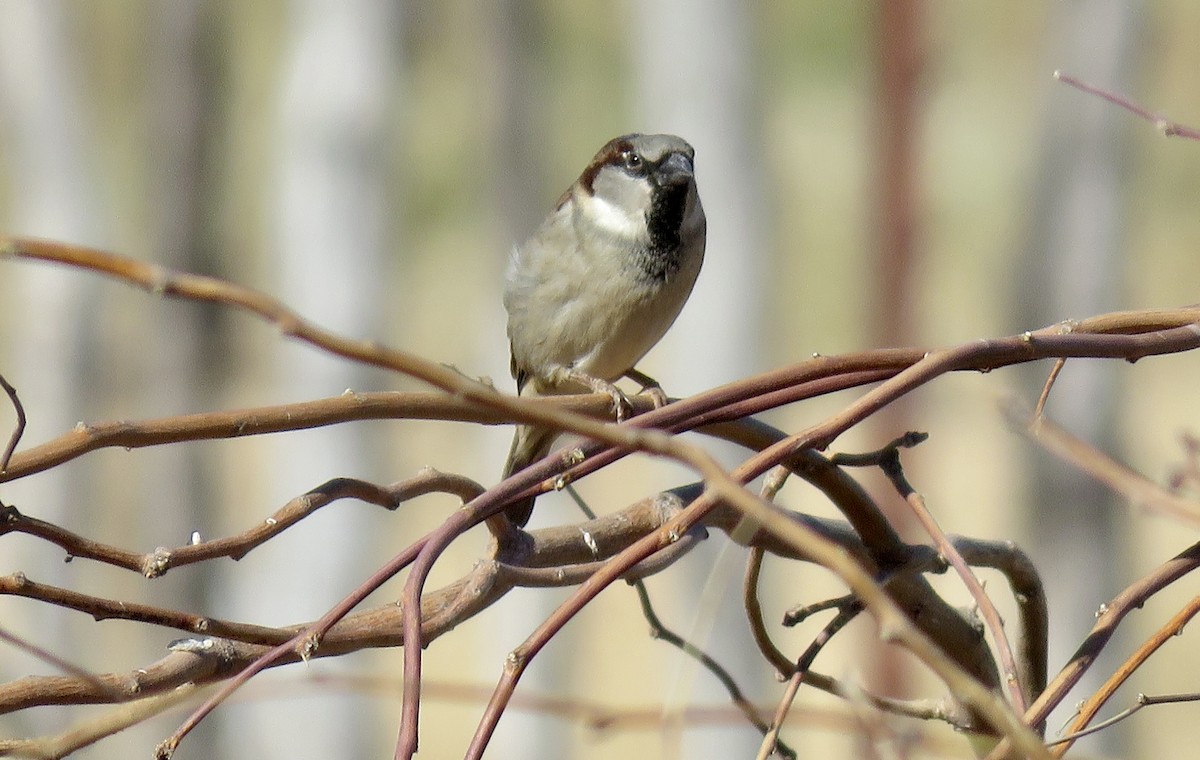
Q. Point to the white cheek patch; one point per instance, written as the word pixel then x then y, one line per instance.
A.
pixel 612 218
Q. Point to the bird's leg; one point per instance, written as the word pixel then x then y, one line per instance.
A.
pixel 621 406
pixel 650 387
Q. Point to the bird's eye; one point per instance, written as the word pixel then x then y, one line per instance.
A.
pixel 632 160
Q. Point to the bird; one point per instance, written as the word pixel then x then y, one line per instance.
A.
pixel 601 280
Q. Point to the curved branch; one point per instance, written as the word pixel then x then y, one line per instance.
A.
pixel 158 562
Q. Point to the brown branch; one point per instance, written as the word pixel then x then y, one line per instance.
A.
pixel 237 423
pixel 1088 710
pixel 50 658
pixel 1109 617
pixel 846 613
pixel 1130 335
pixel 18 584
pixel 236 646
pixel 770 389
pixel 91 731
pixel 1030 596
pixel 894 624
pixel 758 629
pixel 888 460
pixel 156 563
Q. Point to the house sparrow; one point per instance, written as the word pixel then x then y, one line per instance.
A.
pixel 601 280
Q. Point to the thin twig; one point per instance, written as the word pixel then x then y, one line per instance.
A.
pixel 890 464
pixel 1131 485
pixel 1165 126
pixel 1089 708
pixel 18 431
pixel 156 563
pixel 1108 618
pixel 845 614
pixel 1047 386
pixel 93 730
pixel 747 708
pixel 799 614
pixel 65 666
pixel 754 615
pixel 1142 700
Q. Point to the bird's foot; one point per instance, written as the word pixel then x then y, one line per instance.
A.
pixel 650 387
pixel 622 408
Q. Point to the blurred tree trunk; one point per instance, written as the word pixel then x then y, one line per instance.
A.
pixel 513 34
pixel 48 135
pixel 1073 265
pixel 894 203
pixel 183 351
pixel 694 77
pixel 328 225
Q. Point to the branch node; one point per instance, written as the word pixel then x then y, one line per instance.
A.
pixel 308 647
pixel 157 564
pixel 165 750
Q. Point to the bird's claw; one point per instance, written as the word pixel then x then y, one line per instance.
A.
pixel 650 387
pixel 622 406
pixel 657 396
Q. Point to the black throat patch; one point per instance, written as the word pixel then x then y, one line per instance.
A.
pixel 659 260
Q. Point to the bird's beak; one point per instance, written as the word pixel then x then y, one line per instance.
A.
pixel 676 169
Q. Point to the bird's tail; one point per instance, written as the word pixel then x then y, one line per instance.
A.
pixel 529 445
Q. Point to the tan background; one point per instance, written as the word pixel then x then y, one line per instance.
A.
pixel 371 165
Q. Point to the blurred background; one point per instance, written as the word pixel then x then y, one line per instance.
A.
pixel 874 174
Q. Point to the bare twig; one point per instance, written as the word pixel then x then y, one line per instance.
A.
pixel 49 657
pixel 799 614
pixel 747 708
pixel 889 463
pixel 1047 386
pixel 156 563
pixel 18 431
pixel 555 549
pixel 1162 124
pixel 1143 700
pixel 1129 484
pixel 758 629
pixel 845 614
pixel 237 423
pixel 1089 708
pixel 1109 617
pixel 922 710
pixel 91 731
